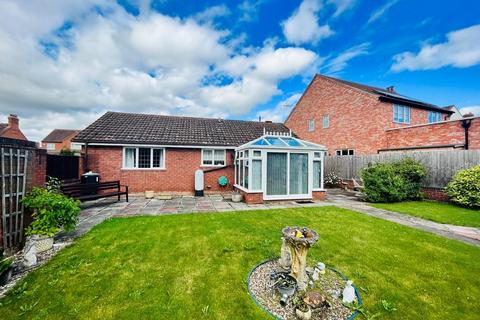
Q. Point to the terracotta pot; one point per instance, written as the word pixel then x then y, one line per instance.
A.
pixel 42 243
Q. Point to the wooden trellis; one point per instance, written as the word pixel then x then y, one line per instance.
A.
pixel 13 175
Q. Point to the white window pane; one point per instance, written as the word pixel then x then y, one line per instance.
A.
pixel 219 157
pixel 75 146
pixel 311 125
pixel 256 174
pixel 257 153
pixel 276 173
pixel 326 121
pixel 298 173
pixel 207 157
pixel 130 157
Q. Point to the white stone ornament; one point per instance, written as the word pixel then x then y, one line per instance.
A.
pixel 30 254
pixel 321 267
pixel 348 293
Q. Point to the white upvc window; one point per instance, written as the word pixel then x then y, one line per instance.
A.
pixel 143 158
pixel 401 114
pixel 326 121
pixel 213 157
pixel 50 146
pixel 311 125
pixel 317 173
pixel 75 146
pixel 434 117
pixel 249 169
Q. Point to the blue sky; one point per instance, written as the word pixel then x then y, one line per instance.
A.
pixel 64 64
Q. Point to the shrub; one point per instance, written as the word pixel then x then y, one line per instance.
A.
pixel 393 182
pixel 52 211
pixel 464 188
pixel 331 180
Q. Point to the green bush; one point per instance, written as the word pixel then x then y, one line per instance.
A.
pixel 393 182
pixel 464 188
pixel 52 211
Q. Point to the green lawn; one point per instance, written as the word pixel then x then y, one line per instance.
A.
pixel 435 211
pixel 195 267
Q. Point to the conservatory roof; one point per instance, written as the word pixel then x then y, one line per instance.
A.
pixel 281 142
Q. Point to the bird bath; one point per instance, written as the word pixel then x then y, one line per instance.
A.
pixel 295 244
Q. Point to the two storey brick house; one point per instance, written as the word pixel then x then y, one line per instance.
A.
pixel 354 119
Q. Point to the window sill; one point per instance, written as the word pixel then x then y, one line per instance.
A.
pixel 212 166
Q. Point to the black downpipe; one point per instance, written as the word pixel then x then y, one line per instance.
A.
pixel 466 123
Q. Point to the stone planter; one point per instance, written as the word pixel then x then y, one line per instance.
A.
pixel 42 243
pixel 5 276
pixel 303 315
pixel 237 197
pixel 149 194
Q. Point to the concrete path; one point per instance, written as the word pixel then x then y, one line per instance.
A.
pixel 349 200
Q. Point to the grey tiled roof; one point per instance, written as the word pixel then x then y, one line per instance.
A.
pixel 116 127
pixel 59 135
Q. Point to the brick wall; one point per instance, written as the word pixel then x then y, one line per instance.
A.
pixel 177 177
pixel 40 167
pixel 438 134
pixel 358 120
pixel 251 198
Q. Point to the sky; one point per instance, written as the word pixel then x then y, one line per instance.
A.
pixel 64 63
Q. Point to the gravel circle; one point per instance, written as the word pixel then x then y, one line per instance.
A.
pixel 329 285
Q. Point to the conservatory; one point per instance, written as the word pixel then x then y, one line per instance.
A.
pixel 279 167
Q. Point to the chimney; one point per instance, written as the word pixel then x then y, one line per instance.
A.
pixel 13 121
pixel 391 89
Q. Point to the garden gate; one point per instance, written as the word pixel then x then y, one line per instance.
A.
pixel 62 167
pixel 13 175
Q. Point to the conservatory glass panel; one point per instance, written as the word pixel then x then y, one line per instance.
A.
pixel 298 173
pixel 240 173
pixel 292 142
pixel 245 184
pixel 256 174
pixel 261 142
pixel 276 173
pixel 317 174
pixel 276 142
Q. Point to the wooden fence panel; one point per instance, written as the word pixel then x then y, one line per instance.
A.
pixel 441 165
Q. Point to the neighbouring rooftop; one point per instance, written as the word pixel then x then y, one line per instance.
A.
pixel 59 135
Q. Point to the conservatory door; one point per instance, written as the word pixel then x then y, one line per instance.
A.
pixel 287 175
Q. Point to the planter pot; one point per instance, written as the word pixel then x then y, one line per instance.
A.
pixel 149 194
pixel 304 315
pixel 42 243
pixel 237 197
pixel 5 276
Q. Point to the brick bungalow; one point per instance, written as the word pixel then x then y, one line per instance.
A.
pixel 12 129
pixel 60 139
pixel 355 119
pixel 162 153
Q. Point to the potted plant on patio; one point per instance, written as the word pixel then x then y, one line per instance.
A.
pixel 52 212
pixel 236 196
pixel 5 268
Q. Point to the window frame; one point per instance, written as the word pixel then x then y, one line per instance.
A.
pixel 435 116
pixel 311 125
pixel 326 124
pixel 401 117
pixel 213 157
pixel 50 146
pixel 75 146
pixel 136 167
pixel 350 152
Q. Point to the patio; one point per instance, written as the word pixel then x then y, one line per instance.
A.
pixel 94 212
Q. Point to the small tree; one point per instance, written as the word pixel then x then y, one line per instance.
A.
pixel 464 188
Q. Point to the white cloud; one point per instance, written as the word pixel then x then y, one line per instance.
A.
pixel 211 13
pixel 115 61
pixel 281 110
pixel 377 14
pixel 460 50
pixel 340 62
pixel 473 109
pixel 249 10
pixel 303 27
pixel 342 6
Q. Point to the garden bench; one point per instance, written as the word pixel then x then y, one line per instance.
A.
pixel 93 191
